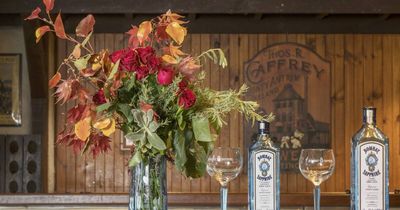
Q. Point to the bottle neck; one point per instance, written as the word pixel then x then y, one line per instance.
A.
pixel 369 116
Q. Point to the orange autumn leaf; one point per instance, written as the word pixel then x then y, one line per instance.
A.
pixel 144 30
pixel 49 5
pixel 169 59
pixel 174 17
pixel 77 51
pixel 175 51
pixel 59 27
pixel 34 14
pixel 40 32
pixel 85 26
pixel 82 129
pixel 176 32
pixel 54 80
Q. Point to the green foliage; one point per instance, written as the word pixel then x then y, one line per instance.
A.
pixel 217 104
pixel 215 55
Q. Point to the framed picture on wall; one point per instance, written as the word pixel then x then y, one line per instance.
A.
pixel 10 90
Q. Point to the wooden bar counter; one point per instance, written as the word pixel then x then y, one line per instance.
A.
pixel 175 200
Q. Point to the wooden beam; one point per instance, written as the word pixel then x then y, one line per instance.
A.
pixel 248 24
pixel 36 57
pixel 49 158
pixel 210 6
pixel 177 199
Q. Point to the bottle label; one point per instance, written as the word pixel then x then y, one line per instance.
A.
pixel 372 176
pixel 264 180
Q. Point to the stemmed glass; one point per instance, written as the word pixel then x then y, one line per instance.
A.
pixel 317 165
pixel 224 164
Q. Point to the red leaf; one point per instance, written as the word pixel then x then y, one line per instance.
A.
pixel 64 90
pixel 85 26
pixel 34 14
pixel 77 145
pixel 59 27
pixel 63 137
pixel 49 5
pixel 40 32
pixel 133 40
pixel 54 80
pixel 100 144
pixel 77 113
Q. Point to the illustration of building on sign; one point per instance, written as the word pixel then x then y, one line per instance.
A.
pixel 294 121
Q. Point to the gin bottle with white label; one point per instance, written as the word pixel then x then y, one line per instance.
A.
pixel 263 172
pixel 370 166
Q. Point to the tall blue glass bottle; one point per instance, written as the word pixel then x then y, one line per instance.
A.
pixel 263 172
pixel 369 166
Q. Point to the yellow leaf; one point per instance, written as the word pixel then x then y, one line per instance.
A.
pixel 82 129
pixel 101 124
pixel 77 51
pixel 96 66
pixel 176 32
pixel 169 59
pixel 144 30
pixel 110 129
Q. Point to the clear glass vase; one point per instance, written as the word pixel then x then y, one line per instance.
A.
pixel 148 185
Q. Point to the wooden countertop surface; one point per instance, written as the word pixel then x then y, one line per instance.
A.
pixel 176 199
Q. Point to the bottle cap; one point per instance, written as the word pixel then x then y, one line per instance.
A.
pixel 263 126
pixel 369 115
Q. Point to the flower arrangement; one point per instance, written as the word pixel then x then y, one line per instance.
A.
pixel 151 90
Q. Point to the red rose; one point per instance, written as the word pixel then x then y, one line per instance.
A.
pixel 141 72
pixel 165 76
pixel 186 98
pixel 145 54
pixel 99 98
pixel 153 63
pixel 182 84
pixel 127 57
pixel 116 55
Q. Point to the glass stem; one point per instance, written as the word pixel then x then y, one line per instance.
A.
pixel 224 197
pixel 317 192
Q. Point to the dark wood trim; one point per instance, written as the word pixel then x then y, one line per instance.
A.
pixel 211 6
pixel 176 199
pixel 36 59
pixel 230 24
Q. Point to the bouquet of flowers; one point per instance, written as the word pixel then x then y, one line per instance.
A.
pixel 151 90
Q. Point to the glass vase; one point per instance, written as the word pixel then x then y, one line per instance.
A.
pixel 148 185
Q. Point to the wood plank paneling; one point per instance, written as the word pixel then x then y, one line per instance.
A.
pixel 365 71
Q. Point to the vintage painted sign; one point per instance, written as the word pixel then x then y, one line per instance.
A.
pixel 293 82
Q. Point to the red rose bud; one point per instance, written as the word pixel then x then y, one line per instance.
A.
pixel 99 98
pixel 141 72
pixel 187 98
pixel 165 76
pixel 182 84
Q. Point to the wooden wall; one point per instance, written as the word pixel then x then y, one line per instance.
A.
pixel 365 71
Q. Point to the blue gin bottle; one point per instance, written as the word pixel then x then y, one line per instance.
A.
pixel 369 166
pixel 263 172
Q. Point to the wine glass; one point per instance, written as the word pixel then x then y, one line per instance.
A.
pixel 224 164
pixel 317 165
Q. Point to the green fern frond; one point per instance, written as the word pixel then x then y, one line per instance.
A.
pixel 216 55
